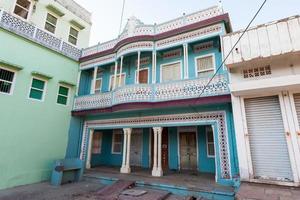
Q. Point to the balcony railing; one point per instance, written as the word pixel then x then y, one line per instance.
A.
pixel 183 89
pixel 31 32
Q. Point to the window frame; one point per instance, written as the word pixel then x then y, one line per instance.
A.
pixel 209 143
pixel 29 10
pixel 73 35
pixel 100 143
pixel 55 26
pixel 13 81
pixel 110 83
pixel 206 70
pixel 141 69
pixel 68 96
pixel 170 63
pixel 44 89
pixel 115 132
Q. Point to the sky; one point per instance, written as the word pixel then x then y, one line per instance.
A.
pixel 106 14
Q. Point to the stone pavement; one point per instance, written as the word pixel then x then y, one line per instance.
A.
pixel 83 190
pixel 253 191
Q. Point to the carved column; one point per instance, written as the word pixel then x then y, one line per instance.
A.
pixel 125 169
pixel 89 153
pixel 157 168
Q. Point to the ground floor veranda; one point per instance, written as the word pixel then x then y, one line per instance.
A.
pixel 199 143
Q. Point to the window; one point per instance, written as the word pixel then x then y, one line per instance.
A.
pixel 22 8
pixel 6 81
pixel 98 81
pixel 117 142
pixel 73 35
pixel 143 76
pixel 210 142
pixel 117 82
pixel 205 65
pixel 97 143
pixel 63 94
pixel 171 72
pixel 50 24
pixel 37 89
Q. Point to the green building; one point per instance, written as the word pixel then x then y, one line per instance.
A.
pixel 38 75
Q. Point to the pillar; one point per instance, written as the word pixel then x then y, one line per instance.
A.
pixel 89 153
pixel 94 80
pixel 157 168
pixel 153 66
pixel 78 82
pixel 115 75
pixel 138 68
pixel 125 168
pixel 186 61
pixel 121 69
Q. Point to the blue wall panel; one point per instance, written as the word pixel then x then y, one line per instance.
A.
pixel 205 163
pixel 173 148
pixel 106 158
pixel 74 141
pixel 146 143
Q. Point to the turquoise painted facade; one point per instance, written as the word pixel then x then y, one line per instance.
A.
pixel 194 121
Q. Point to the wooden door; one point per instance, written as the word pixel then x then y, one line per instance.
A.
pixel 188 151
pixel 143 76
pixel 164 149
pixel 136 149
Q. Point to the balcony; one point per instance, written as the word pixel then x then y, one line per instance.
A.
pixel 178 90
pixel 31 32
pixel 263 41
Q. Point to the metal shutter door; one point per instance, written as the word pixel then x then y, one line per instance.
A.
pixel 297 105
pixel 268 146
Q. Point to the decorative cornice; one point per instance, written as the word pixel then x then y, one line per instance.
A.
pixel 114 45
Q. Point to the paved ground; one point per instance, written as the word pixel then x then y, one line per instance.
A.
pixel 252 191
pixel 83 190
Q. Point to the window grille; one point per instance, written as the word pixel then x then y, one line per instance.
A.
pixel 6 81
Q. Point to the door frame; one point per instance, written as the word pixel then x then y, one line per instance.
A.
pixel 181 129
pixel 288 140
pixel 138 131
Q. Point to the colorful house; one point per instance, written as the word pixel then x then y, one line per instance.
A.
pixel 142 100
pixel 265 81
pixel 40 47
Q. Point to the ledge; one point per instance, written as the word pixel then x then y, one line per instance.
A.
pixel 11 65
pixel 67 83
pixel 55 10
pixel 42 75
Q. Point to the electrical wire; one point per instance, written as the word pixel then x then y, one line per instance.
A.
pixel 231 50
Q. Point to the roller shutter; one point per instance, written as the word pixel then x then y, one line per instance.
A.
pixel 268 145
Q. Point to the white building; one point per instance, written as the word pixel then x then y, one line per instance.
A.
pixel 265 84
pixel 63 19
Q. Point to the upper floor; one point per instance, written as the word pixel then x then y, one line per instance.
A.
pixel 267 56
pixel 170 61
pixel 62 19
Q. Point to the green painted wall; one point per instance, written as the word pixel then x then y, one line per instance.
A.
pixel 33 133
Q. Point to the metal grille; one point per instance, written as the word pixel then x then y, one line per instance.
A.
pixel 268 146
pixel 6 81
